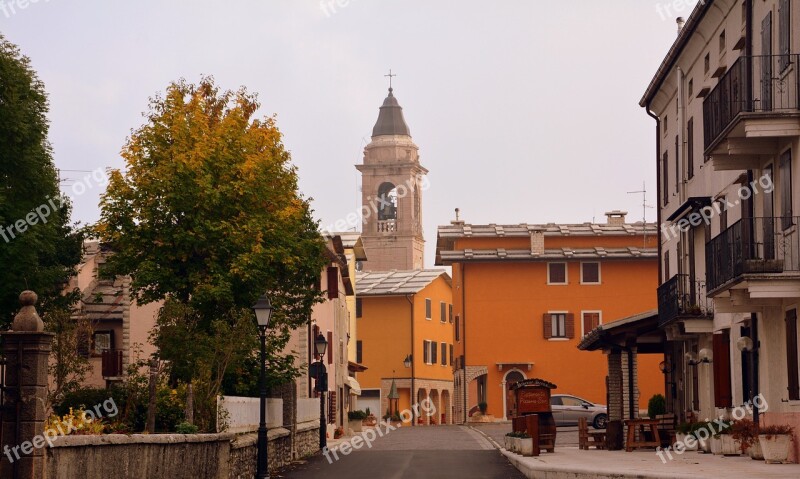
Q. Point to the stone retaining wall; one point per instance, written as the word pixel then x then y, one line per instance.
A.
pixel 177 456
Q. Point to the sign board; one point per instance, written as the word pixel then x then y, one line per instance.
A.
pixel 316 369
pixel 533 400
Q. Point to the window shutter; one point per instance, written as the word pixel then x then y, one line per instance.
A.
pixel 690 147
pixel 458 328
pixel 570 325
pixel 425 351
pixel 444 354
pixel 783 33
pixel 443 312
pixel 791 355
pixel 359 308
pixel 330 347
pixel 451 355
pixel 548 326
pixel 434 350
pixel 333 282
pixel 450 313
pixel 359 352
pixel 723 396
pixel 427 308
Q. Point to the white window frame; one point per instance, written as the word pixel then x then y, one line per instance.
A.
pixel 599 320
pixel 599 272
pixel 566 273
pixel 558 338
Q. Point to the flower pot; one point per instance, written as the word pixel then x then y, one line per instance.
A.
pixel 354 425
pixel 516 444
pixel 730 446
pixel 775 447
pixel 704 445
pixel 507 443
pixel 716 445
pixel 755 451
pixel 681 437
pixel 526 446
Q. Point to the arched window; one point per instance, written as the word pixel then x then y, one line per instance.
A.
pixel 387 202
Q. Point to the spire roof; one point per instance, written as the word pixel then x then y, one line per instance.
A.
pixel 390 119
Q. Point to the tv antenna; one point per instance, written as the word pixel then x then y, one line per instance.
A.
pixel 643 191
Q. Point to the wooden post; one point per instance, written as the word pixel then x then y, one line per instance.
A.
pixel 533 432
pixel 151 406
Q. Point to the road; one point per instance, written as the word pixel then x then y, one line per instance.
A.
pixel 445 452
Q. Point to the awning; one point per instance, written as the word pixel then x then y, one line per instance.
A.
pixel 355 388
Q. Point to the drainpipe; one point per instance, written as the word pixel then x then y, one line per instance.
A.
pixel 682 169
pixel 413 394
pixel 754 365
pixel 464 333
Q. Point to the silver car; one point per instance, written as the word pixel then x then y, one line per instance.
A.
pixel 568 409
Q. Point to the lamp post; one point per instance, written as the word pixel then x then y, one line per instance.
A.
pixel 408 362
pixel 263 310
pixel 320 345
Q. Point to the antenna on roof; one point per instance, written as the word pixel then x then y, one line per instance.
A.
pixel 643 191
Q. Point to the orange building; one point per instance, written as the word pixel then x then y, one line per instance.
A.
pixel 525 295
pixel 405 339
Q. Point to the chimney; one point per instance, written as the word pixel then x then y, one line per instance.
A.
pixel 616 217
pixel 458 221
pixel 537 242
pixel 681 22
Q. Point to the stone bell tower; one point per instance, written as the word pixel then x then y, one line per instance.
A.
pixel 391 194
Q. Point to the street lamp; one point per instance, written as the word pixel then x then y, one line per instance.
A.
pixel 263 310
pixel 407 361
pixel 320 345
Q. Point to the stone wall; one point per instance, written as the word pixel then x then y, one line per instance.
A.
pixel 177 456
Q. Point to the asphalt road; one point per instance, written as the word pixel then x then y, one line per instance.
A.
pixel 420 452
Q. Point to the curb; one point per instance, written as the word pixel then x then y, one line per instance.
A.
pixel 488 438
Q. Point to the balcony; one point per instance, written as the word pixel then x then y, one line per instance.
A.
pixel 681 298
pixel 755 86
pixel 112 363
pixel 387 226
pixel 752 247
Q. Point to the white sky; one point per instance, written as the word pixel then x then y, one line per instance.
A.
pixel 524 110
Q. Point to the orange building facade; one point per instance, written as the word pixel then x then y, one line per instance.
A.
pixel 525 295
pixel 405 340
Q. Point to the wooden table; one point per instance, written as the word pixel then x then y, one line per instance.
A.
pixel 641 425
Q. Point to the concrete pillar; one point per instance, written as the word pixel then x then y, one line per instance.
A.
pixel 27 350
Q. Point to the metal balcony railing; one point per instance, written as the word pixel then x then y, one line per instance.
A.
pixel 753 246
pixel 754 84
pixel 681 297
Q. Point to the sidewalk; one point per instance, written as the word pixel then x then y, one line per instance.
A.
pixel 568 462
pixel 573 463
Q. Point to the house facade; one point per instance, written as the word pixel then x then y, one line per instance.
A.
pixel 726 104
pixel 524 295
pixel 405 327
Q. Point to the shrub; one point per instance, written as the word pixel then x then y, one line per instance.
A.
pixel 368 413
pixel 356 415
pixel 657 405
pixel 186 428
pixel 770 431
pixel 88 398
pixel 745 432
pixel 482 406
pixel 685 428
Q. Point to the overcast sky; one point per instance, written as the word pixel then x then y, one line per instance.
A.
pixel 523 110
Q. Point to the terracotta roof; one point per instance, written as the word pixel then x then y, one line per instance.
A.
pixel 501 254
pixel 389 283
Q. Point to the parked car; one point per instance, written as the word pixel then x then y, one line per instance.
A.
pixel 568 409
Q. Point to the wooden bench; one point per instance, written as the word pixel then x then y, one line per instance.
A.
pixel 598 438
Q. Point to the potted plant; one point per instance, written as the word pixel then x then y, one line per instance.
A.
pixel 525 444
pixel 482 406
pixel 683 431
pixel 744 431
pixel 657 405
pixel 508 442
pixel 774 442
pixel 729 445
pixel 370 420
pixel 701 431
pixel 355 419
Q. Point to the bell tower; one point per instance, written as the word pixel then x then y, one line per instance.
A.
pixel 391 194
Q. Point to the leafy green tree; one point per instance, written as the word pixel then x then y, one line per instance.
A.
pixel 40 256
pixel 208 215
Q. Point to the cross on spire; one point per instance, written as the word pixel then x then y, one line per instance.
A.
pixel 390 75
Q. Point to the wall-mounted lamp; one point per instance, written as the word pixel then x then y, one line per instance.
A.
pixel 665 367
pixel 744 344
pixel 407 361
pixel 704 356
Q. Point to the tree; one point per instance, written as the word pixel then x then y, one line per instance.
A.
pixel 38 247
pixel 208 216
pixel 66 368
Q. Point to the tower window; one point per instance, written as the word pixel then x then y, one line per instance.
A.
pixel 387 202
